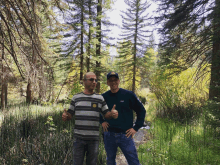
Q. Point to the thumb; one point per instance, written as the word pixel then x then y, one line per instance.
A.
pixel 114 106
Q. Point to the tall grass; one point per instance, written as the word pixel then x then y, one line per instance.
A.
pixel 173 143
pixel 46 139
pixel 184 130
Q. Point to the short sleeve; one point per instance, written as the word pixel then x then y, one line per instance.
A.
pixel 72 105
pixel 71 109
pixel 104 108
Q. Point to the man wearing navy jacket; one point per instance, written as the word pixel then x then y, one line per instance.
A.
pixel 119 132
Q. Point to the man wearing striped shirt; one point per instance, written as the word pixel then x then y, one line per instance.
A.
pixel 86 107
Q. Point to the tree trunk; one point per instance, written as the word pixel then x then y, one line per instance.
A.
pixel 2 76
pixel 6 94
pixel 3 98
pixel 214 91
pixel 98 46
pixel 134 70
pixel 82 28
pixel 135 56
pixel 4 91
pixel 42 85
pixel 89 38
pixel 28 93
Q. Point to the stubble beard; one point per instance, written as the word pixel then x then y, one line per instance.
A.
pixel 90 89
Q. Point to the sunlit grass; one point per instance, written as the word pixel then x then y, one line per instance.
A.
pixel 173 143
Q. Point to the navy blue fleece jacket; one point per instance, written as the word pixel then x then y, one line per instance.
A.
pixel 125 101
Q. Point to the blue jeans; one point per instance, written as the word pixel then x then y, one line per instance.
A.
pixel 113 141
pixel 88 147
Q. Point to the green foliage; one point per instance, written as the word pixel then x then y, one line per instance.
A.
pixel 147 65
pixel 50 123
pixel 142 99
pixel 142 94
pixel 125 65
pixel 150 107
pixel 103 87
pixel 179 96
pixel 186 34
pixel 212 115
pixel 77 87
pixel 192 36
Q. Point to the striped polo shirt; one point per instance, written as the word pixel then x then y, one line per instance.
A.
pixel 87 109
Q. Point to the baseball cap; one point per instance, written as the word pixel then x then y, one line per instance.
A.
pixel 110 74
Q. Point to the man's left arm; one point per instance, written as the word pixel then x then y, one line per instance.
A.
pixel 138 107
pixel 108 114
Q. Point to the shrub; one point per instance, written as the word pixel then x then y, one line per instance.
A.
pixel 179 96
pixel 212 115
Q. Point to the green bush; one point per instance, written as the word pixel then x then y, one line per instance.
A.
pixel 179 96
pixel 142 99
pixel 212 115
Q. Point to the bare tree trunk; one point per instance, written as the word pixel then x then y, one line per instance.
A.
pixel 6 94
pixel 214 91
pixel 32 74
pixel 82 28
pixel 98 46
pixel 3 96
pixel 28 93
pixel 42 83
pixel 2 76
pixel 134 70
pixel 135 59
pixel 89 38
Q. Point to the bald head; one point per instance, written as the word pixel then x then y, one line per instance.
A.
pixel 90 82
pixel 88 74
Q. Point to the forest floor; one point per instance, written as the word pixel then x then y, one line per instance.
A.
pixel 140 137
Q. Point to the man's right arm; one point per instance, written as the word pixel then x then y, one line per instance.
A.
pixel 66 115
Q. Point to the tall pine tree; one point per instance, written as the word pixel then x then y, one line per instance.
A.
pixel 76 35
pixel 134 23
pixel 125 62
pixel 102 39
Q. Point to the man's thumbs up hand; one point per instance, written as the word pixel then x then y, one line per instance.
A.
pixel 114 112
